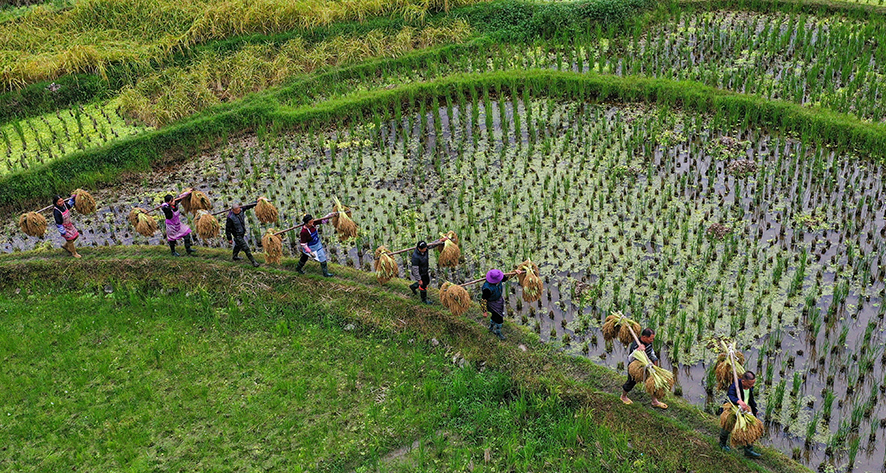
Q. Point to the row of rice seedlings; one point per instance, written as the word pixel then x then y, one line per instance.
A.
pixel 39 140
pixel 621 197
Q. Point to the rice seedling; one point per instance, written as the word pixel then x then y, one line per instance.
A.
pixel 386 267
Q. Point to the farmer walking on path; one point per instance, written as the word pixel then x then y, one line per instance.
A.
pixel 62 212
pixel 743 398
pixel 492 302
pixel 311 246
pixel 420 271
pixel 175 228
pixel 646 338
pixel 235 232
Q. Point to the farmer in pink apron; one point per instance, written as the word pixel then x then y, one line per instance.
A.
pixel 62 213
pixel 175 228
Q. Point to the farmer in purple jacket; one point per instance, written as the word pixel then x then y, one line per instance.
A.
pixel 175 228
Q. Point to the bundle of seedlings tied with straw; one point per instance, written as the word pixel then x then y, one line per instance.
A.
pixel 273 244
pixel 33 223
pixel 450 254
pixel 341 220
pixel 455 298
pixel 195 200
pixel 658 381
pixel 206 224
pixel 143 222
pixel 527 274
pixel 265 211
pixel 83 202
pixel 745 427
pixel 385 266
pixel 729 360
pixel 620 326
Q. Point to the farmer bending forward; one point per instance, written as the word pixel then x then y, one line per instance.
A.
pixel 743 398
pixel 62 212
pixel 175 228
pixel 235 232
pixel 646 337
pixel 311 246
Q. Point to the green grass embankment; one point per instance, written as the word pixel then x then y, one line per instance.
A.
pixel 129 359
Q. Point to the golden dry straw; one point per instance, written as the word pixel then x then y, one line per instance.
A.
pixel 83 202
pixel 530 281
pixel 723 369
pixel 344 226
pixel 450 255
pixel 748 429
pixel 459 300
pixel 206 225
pixel 444 294
pixel 727 417
pixel 143 222
pixel 624 333
pixel 265 211
pixel 197 201
pixel 637 371
pixel 658 381
pixel 616 326
pixel 32 224
pixel 385 266
pixel 273 245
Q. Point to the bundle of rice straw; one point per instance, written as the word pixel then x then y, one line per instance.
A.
pixel 143 222
pixel 459 301
pixel 444 294
pixel 617 325
pixel 746 428
pixel 273 245
pixel 83 202
pixel 195 201
pixel 449 256
pixel 530 281
pixel 206 224
pixel 344 226
pixel 32 224
pixel 723 368
pixel 385 266
pixel 265 212
pixel 658 381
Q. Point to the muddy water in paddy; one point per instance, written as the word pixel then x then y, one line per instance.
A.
pixel 614 202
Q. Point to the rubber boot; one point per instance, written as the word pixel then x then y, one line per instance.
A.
pixel 750 453
pixel 497 331
pixel 724 437
pixel 301 264
pixel 491 326
pixel 325 268
pixel 172 248
pixel 188 249
pixel 414 288
pixel 424 297
pixel 251 258
pixel 234 257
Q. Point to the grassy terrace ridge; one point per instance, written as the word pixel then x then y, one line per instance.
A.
pixel 216 347
pixel 107 164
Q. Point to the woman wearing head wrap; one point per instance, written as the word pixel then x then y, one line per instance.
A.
pixel 175 228
pixel 492 301
pixel 311 247
pixel 420 271
pixel 61 210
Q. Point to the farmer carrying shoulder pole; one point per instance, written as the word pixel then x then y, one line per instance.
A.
pixel 492 301
pixel 235 232
pixel 175 228
pixel 646 338
pixel 311 246
pixel 62 212
pixel 743 398
pixel 420 271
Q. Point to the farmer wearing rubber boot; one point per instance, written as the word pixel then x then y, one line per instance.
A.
pixel 492 302
pixel 646 338
pixel 420 271
pixel 311 246
pixel 235 232
pixel 743 398
pixel 61 210
pixel 175 228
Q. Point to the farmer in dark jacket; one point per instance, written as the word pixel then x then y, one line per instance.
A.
pixel 420 271
pixel 646 338
pixel 235 232
pixel 743 398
